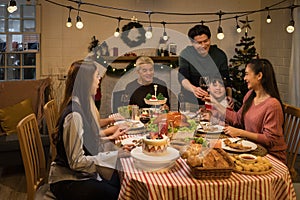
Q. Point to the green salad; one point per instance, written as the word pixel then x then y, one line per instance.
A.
pixel 193 125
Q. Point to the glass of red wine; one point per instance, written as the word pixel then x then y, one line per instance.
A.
pixel 145 117
pixel 204 82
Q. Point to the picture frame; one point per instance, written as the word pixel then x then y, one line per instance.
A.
pixel 172 49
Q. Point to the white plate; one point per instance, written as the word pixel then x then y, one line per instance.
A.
pixel 218 130
pixel 129 140
pixel 244 143
pixel 132 124
pixel 154 163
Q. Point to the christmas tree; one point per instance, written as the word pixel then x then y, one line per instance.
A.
pixel 245 51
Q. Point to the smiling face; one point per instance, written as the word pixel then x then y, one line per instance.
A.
pixel 95 83
pixel 217 89
pixel 253 80
pixel 146 73
pixel 202 44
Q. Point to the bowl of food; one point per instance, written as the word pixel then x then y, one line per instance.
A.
pixel 248 158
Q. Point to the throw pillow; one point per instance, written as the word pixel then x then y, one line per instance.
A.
pixel 11 115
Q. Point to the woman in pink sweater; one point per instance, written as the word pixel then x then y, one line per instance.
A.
pixel 261 118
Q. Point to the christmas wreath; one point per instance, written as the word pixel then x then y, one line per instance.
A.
pixel 125 31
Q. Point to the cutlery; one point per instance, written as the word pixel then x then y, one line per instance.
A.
pixel 238 140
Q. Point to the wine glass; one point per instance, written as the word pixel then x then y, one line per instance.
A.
pixel 145 117
pixel 204 82
pixel 124 99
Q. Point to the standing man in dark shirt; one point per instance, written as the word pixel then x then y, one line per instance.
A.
pixel 200 59
pixel 144 84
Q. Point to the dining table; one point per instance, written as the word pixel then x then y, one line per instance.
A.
pixel 178 182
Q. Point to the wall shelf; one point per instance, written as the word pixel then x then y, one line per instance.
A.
pixel 126 59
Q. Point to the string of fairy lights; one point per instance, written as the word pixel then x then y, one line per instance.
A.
pixel 12 7
pixel 221 16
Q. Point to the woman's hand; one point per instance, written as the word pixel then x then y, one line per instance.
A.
pixel 230 102
pixel 125 150
pixel 116 117
pixel 233 132
pixel 119 132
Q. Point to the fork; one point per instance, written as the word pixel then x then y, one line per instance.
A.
pixel 238 140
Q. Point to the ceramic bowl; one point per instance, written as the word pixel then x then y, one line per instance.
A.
pixel 247 158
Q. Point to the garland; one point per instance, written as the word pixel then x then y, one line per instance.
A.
pixel 119 72
pixel 94 47
pixel 125 31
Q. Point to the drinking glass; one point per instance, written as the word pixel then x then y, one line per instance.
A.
pixel 124 99
pixel 204 82
pixel 145 117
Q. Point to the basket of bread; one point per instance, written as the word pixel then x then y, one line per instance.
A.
pixel 207 162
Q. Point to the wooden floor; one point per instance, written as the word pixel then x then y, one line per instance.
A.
pixel 13 182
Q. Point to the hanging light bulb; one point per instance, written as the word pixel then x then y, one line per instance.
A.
pixel 238 28
pixel 290 28
pixel 165 36
pixel 220 34
pixel 268 20
pixel 148 33
pixel 12 6
pixel 69 21
pixel 117 32
pixel 79 23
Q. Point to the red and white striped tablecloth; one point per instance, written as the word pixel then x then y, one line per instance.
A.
pixel 178 183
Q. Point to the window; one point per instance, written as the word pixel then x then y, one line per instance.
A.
pixel 19 42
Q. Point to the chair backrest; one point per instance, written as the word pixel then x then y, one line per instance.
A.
pixel 292 135
pixel 32 154
pixel 51 116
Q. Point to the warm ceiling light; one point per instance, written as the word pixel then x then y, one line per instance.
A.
pixel 220 34
pixel 117 32
pixel 268 20
pixel 238 28
pixel 148 33
pixel 12 6
pixel 79 23
pixel 69 21
pixel 290 28
pixel 165 36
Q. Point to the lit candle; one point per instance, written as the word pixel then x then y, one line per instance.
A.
pixel 155 89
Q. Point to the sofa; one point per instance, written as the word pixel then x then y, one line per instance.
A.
pixel 37 92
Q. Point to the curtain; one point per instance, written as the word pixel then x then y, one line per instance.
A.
pixel 294 73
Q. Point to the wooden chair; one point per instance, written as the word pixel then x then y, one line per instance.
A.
pixel 292 136
pixel 51 116
pixel 33 156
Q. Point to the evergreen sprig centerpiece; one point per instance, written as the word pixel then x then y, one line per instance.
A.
pixel 245 52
